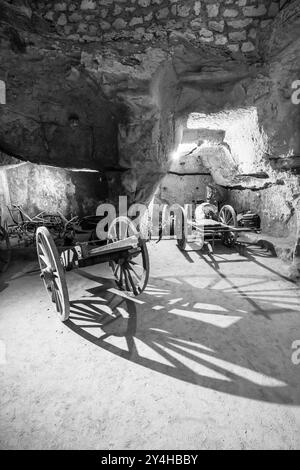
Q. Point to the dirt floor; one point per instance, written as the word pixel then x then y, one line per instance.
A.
pixel 201 360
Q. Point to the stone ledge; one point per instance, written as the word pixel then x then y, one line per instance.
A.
pixel 283 248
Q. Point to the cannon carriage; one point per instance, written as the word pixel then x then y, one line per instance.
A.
pixel 124 249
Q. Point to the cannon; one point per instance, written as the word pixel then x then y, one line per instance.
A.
pixel 124 249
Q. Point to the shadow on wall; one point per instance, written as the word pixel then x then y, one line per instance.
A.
pixel 39 187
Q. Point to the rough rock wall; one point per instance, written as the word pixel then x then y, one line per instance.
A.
pixel 185 182
pixel 113 108
pixel 279 117
pixel 220 22
pixel 39 187
pixel 277 207
pixel 254 147
pixel 253 122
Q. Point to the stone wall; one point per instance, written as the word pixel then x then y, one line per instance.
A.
pixel 230 23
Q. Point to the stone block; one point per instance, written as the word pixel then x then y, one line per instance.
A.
pixel 248 47
pixel 239 24
pixel 75 17
pixel 212 10
pixel 205 33
pixel 230 13
pixel 197 8
pixel 149 16
pixel 238 36
pixel 255 10
pixel 220 39
pixel 233 47
pixel 196 24
pixel 208 40
pixel 119 24
pixel 252 33
pixel 62 20
pixel 183 11
pixel 49 15
pixel 135 21
pixel 82 28
pixel 144 3
pixel 88 5
pixel 117 10
pixel 62 6
pixel 216 26
pixel 163 13
pixel 103 12
pixel 104 25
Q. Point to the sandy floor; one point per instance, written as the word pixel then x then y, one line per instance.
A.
pixel 202 359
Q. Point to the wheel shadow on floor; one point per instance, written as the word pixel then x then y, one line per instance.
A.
pixel 247 251
pixel 214 344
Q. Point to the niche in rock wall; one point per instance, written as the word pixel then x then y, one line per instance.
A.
pixel 43 188
pixel 186 181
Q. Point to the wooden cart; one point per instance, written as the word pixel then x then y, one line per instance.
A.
pixel 197 233
pixel 124 250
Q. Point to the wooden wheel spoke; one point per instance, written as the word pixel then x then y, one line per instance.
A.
pixel 134 287
pixel 134 262
pixel 50 257
pixel 69 256
pixel 56 280
pixel 45 260
pixel 64 258
pixel 121 276
pixel 135 273
pixel 227 216
pixel 57 300
pixel 130 275
pixel 116 269
pixel 126 279
pixel 134 265
pixel 44 257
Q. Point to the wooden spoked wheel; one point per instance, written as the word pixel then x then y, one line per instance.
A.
pixel 192 236
pixel 131 270
pixel 5 250
pixel 52 272
pixel 227 216
pixel 180 229
pixel 69 258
